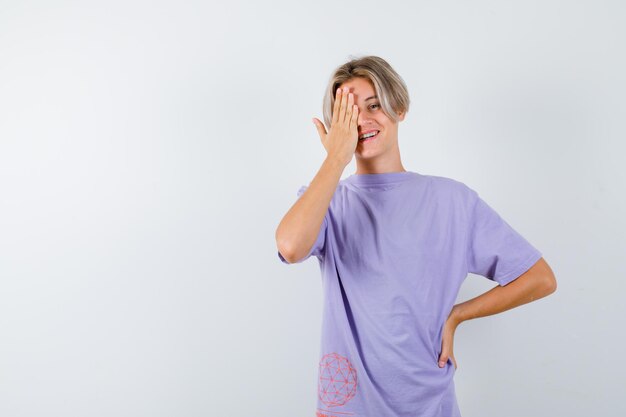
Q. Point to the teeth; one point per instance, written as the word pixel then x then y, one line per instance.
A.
pixel 368 135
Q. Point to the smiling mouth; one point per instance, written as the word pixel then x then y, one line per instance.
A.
pixel 369 138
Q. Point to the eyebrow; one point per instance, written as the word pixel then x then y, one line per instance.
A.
pixel 369 98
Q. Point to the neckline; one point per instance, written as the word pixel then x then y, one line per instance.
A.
pixel 381 178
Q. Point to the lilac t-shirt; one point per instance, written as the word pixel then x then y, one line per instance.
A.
pixel 394 249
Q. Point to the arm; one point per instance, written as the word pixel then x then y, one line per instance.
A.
pixel 536 283
pixel 299 228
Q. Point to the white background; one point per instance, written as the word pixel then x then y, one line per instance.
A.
pixel 148 150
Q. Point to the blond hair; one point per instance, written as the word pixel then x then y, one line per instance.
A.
pixel 389 86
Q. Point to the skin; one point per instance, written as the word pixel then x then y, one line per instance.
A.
pixel 381 154
pixel 353 115
pixel 536 283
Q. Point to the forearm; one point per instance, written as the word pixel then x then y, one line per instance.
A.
pixel 300 226
pixel 534 284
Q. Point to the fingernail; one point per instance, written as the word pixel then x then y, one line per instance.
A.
pixel 441 364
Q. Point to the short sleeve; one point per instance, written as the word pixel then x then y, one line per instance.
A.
pixel 318 247
pixel 495 250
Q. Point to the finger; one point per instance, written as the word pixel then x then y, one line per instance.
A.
pixel 342 105
pixel 336 106
pixel 442 360
pixel 320 128
pixel 354 121
pixel 349 108
pixel 319 125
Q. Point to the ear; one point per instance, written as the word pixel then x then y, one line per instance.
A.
pixel 401 116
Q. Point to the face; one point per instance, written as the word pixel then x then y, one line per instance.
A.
pixel 383 146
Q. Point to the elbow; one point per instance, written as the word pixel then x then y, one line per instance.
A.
pixel 286 251
pixel 292 248
pixel 286 255
pixel 289 254
pixel 549 285
pixel 548 278
pixel 552 284
pixel 292 251
pixel 283 249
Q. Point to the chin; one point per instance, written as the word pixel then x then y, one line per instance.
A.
pixel 366 155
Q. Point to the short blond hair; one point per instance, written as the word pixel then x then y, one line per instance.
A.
pixel 389 86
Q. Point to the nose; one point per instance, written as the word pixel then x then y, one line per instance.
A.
pixel 362 121
pixel 361 118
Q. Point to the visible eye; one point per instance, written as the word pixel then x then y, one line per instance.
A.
pixel 374 105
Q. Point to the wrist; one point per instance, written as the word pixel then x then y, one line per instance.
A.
pixel 456 315
pixel 335 162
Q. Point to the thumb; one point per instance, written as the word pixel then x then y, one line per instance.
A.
pixel 320 127
pixel 445 353
pixel 443 358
